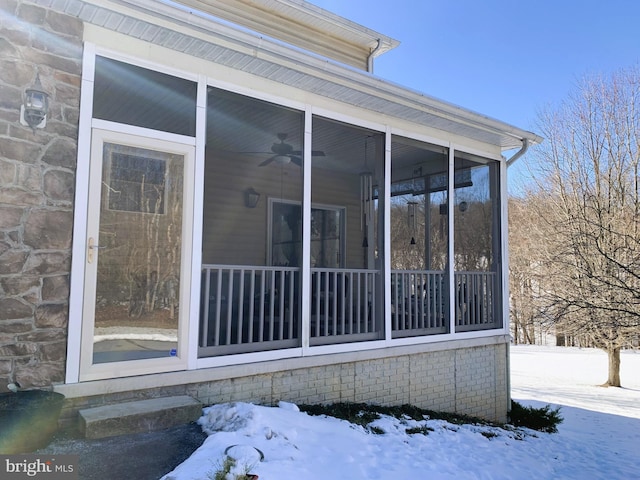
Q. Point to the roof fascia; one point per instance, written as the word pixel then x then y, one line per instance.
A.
pixel 304 25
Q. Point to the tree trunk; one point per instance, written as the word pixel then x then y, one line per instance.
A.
pixel 614 367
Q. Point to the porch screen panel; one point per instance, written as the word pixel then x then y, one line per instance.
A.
pixel 346 177
pixel 419 238
pixel 251 252
pixel 477 260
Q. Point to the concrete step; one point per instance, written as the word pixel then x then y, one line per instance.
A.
pixel 138 416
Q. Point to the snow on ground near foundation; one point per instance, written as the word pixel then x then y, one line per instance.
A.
pixel 599 438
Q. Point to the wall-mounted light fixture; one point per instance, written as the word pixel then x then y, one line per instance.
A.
pixel 35 106
pixel 251 197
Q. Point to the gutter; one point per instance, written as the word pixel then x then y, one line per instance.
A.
pixel 519 153
pixel 372 55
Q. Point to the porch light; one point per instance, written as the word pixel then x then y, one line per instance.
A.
pixel 34 109
pixel 251 198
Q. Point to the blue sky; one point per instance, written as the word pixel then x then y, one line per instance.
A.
pixel 503 58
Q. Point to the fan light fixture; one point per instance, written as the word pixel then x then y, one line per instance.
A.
pixel 34 109
pixel 282 159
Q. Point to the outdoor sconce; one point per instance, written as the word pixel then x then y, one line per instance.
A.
pixel 251 198
pixel 33 111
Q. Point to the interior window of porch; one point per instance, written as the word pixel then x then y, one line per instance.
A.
pixel 251 287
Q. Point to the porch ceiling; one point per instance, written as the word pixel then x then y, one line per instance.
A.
pixel 206 38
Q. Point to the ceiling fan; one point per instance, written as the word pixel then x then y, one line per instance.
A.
pixel 284 153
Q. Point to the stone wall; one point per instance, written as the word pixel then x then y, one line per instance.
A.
pixel 37 179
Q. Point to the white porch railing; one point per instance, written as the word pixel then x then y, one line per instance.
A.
pixel 251 308
pixel 246 308
pixel 344 303
pixel 418 303
pixel 476 301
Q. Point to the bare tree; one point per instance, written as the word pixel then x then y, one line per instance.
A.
pixel 526 278
pixel 588 183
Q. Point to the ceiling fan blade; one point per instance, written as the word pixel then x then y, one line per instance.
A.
pixel 268 161
pixel 296 160
pixel 314 153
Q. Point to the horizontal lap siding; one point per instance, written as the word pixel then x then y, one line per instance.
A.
pixel 236 235
pixel 232 233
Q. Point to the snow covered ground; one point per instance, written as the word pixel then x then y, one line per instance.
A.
pixel 599 438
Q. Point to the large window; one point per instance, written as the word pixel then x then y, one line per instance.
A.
pixel 327 237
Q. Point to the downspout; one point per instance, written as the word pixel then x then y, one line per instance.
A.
pixel 519 153
pixel 371 55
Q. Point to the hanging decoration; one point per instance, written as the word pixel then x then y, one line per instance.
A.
pixel 412 208
pixel 366 204
pixel 366 199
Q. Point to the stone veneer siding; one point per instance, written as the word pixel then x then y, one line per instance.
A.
pixel 470 381
pixel 37 180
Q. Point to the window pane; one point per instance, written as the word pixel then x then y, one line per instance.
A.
pixel 137 184
pixel 138 96
pixel 140 256
pixel 326 238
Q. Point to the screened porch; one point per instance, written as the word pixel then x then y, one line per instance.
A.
pixel 283 267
